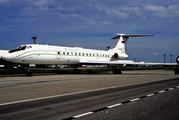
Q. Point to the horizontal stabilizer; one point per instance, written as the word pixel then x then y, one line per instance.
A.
pixel 128 36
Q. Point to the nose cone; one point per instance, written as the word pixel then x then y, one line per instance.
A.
pixel 6 56
pixel 3 52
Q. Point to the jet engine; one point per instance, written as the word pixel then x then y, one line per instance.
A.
pixel 116 55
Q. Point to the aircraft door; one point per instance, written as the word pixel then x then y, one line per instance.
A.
pixel 58 56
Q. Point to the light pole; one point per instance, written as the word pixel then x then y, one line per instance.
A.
pixel 164 57
pixel 171 57
pixel 34 39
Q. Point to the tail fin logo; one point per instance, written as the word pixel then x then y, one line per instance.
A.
pixel 123 41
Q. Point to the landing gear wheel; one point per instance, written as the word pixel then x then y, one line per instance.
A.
pixel 28 71
pixel 116 70
pixel 75 70
pixel 29 74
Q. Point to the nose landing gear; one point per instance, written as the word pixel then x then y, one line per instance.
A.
pixel 28 73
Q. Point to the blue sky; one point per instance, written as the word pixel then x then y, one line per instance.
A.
pixel 92 24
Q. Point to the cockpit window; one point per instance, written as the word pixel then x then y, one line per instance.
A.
pixel 28 47
pixel 18 49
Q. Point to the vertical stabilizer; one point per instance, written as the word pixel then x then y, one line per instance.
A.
pixel 120 48
pixel 121 45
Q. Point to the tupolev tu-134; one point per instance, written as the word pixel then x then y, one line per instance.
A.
pixel 75 56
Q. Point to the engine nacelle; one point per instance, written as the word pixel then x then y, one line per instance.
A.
pixel 116 55
pixel 121 56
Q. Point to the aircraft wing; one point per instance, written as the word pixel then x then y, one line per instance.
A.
pixel 120 62
pixel 106 62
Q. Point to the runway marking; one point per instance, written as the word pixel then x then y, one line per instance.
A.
pixel 150 95
pixel 115 105
pixel 118 104
pixel 77 116
pixel 161 91
pixel 170 88
pixel 134 99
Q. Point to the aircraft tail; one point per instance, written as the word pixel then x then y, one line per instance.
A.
pixel 120 48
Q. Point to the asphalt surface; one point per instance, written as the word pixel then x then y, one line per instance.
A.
pixel 151 94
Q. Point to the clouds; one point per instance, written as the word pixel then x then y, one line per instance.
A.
pixel 155 8
pixel 116 8
pixel 154 53
pixel 91 12
pixel 164 11
pixel 145 11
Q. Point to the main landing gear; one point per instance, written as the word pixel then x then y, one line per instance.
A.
pixel 116 70
pixel 75 70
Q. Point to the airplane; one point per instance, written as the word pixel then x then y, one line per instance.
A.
pixel 75 56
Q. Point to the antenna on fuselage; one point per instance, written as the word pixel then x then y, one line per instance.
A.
pixel 34 39
pixel 108 47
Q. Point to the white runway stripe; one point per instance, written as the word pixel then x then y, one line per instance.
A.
pixel 161 91
pixel 150 95
pixel 111 106
pixel 77 116
pixel 170 88
pixel 134 99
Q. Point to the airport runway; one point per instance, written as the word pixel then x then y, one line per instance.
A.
pixel 147 94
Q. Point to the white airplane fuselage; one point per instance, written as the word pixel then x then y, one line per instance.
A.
pixel 47 54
